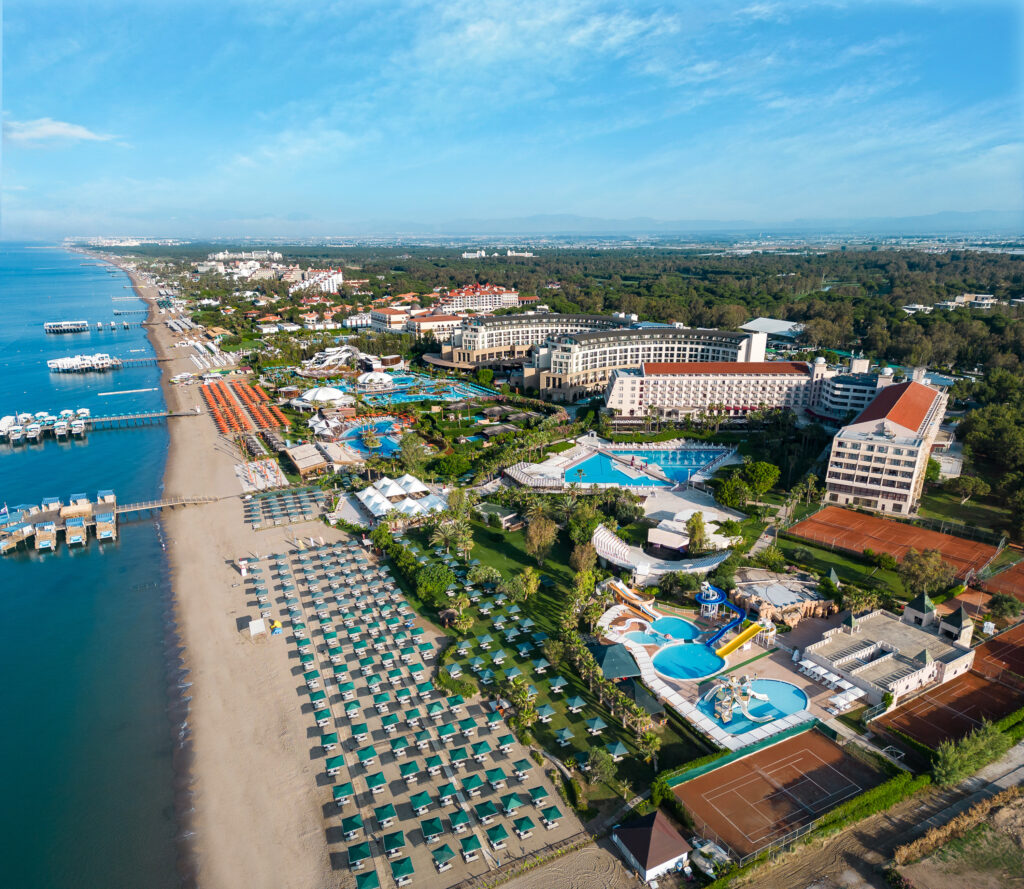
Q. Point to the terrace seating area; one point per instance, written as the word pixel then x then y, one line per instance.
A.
pixel 848 695
pixel 415 776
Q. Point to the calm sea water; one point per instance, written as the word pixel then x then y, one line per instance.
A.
pixel 87 741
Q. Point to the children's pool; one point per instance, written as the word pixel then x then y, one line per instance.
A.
pixel 784 699
pixel 688 660
pixel 674 627
pixel 677 464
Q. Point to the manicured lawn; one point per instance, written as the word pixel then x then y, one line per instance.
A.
pixel 507 553
pixel 848 568
pixel 937 504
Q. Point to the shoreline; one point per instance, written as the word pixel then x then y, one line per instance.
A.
pixel 248 802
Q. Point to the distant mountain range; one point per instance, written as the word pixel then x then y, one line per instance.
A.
pixel 949 222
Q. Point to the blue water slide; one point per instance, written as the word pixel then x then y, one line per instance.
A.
pixel 713 596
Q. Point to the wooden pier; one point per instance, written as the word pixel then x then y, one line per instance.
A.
pixel 78 520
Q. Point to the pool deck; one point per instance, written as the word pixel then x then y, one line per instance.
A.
pixel 681 695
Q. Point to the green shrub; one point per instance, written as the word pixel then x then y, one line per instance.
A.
pixel 955 760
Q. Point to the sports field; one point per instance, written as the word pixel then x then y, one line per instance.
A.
pixel 953 709
pixel 750 802
pixel 855 532
pixel 1002 652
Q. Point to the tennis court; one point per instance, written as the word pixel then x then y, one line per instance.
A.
pixel 953 709
pixel 855 532
pixel 1010 582
pixel 1002 652
pixel 755 800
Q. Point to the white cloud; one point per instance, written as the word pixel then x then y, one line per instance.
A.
pixel 47 130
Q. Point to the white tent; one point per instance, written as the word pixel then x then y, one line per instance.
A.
pixel 411 485
pixel 325 395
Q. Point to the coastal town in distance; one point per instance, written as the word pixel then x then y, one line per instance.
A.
pixel 551 444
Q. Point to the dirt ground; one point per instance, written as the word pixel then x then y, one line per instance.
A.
pixel 852 859
pixel 991 856
pixel 591 867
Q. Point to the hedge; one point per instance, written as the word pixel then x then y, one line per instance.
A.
pixel 1010 720
pixel 465 687
pixel 878 799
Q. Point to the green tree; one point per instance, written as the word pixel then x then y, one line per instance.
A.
pixel 530 580
pixel 697 533
pixel 761 476
pixel 481 574
pixel 584 520
pixel 926 572
pixel 967 486
pixel 1003 606
pixel 432 583
pixel 932 471
pixel 540 537
pixel 583 557
pixel 955 760
pixel 733 492
pixel 484 376
pixel 412 454
pixel 601 765
pixel 445 535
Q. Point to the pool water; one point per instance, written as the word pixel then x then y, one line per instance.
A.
pixel 390 437
pixel 674 627
pixel 677 464
pixel 691 660
pixel 784 699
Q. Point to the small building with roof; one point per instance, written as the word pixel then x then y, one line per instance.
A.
pixel 651 845
pixel 615 661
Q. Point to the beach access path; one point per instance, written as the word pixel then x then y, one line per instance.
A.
pixel 258 818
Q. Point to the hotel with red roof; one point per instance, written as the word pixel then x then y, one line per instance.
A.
pixel 879 460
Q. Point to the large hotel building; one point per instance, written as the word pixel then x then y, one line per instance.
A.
pixel 567 356
pixel 879 460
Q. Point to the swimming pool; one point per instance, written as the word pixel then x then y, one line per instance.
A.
pixel 677 464
pixel 387 430
pixel 784 699
pixel 673 627
pixel 687 660
pixel 412 387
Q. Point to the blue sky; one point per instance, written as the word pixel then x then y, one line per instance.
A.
pixel 281 117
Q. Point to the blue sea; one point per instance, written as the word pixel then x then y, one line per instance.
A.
pixel 89 737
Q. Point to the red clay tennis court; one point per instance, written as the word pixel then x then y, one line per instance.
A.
pixel 1010 582
pixel 953 709
pixel 750 802
pixel 855 532
pixel 1002 652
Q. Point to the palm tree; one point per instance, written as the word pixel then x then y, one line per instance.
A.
pixel 460 602
pixel 446 535
pixel 649 744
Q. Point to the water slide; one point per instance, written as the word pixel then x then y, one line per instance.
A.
pixel 715 595
pixel 745 636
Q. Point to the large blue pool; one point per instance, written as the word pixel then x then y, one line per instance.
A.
pixel 387 431
pixel 673 627
pixel 688 660
pixel 677 464
pixel 784 699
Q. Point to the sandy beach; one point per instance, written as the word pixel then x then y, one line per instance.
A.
pixel 259 813
pixel 258 818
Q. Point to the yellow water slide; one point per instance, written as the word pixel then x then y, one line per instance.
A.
pixel 744 636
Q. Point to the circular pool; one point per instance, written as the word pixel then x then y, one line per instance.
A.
pixel 673 627
pixel 784 699
pixel 687 660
